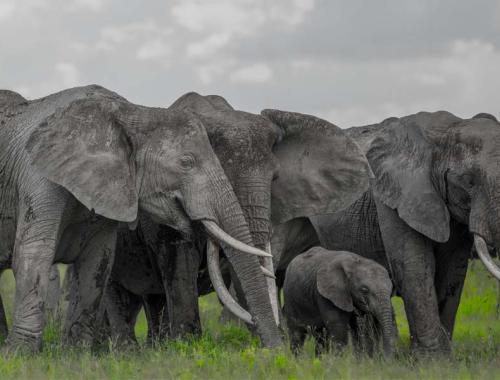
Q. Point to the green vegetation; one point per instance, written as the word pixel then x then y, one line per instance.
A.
pixel 231 352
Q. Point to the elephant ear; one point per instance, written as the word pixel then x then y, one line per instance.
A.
pixel 321 170
pixel 401 158
pixel 332 283
pixel 84 149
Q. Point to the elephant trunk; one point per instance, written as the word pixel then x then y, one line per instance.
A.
pixel 483 224
pixel 254 194
pixel 253 286
pixel 387 324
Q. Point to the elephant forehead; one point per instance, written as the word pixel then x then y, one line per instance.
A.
pixel 171 131
pixel 241 129
pixel 476 139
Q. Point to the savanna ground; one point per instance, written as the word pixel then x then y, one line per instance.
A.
pixel 228 351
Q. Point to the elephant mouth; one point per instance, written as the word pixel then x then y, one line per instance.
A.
pixel 216 234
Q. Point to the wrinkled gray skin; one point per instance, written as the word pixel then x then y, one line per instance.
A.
pixel 52 305
pixel 281 165
pixel 326 293
pixel 87 149
pixel 437 180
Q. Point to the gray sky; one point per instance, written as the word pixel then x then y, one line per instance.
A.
pixel 352 62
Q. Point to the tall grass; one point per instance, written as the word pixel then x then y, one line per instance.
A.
pixel 229 351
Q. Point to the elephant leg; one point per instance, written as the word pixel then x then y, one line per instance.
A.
pixel 362 334
pixel 155 308
pixel 91 271
pixel 297 335
pixel 451 269
pixel 39 222
pixel 336 321
pixel 412 262
pixel 54 292
pixel 180 275
pixel 4 330
pixel 122 308
pixel 322 340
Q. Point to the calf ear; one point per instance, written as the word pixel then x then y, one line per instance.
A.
pixel 401 158
pixel 83 148
pixel 332 284
pixel 321 170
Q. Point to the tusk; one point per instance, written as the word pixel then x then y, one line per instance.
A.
pixel 484 255
pixel 271 284
pixel 219 286
pixel 217 233
pixel 267 272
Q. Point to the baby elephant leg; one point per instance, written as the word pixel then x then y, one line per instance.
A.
pixel 336 323
pixel 297 335
pixel 365 334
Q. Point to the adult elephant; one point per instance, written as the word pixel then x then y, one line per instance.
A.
pixel 74 165
pixel 281 165
pixel 435 192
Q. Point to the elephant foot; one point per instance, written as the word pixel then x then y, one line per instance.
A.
pixel 21 344
pixel 186 331
pixel 125 344
pixel 438 348
pixel 81 336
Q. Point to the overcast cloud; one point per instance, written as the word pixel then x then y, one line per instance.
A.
pixel 352 62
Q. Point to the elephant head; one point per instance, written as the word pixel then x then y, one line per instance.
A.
pixel 282 165
pixel 116 158
pixel 350 281
pixel 435 166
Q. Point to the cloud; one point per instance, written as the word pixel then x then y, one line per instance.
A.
pixel 89 5
pixel 9 8
pixel 256 73
pixel 463 80
pixel 6 9
pixel 208 46
pixel 153 50
pixel 63 75
pixel 149 41
pixel 240 17
pixel 214 69
pixel 356 62
pixel 113 36
pixel 69 75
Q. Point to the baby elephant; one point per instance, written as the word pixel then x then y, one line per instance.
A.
pixel 332 292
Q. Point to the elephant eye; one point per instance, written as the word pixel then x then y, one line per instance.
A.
pixel 187 162
pixel 364 289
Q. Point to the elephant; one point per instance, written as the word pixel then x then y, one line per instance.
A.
pixel 281 165
pixel 326 292
pixel 77 164
pixel 434 197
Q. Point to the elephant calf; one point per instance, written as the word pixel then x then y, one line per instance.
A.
pixel 332 292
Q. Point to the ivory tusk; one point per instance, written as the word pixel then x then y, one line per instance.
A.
pixel 219 286
pixel 484 255
pixel 267 272
pixel 271 284
pixel 217 233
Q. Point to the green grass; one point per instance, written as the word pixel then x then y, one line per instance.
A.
pixel 229 351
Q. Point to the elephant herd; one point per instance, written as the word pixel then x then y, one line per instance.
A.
pixel 142 201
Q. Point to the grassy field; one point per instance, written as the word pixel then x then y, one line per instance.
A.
pixel 228 351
